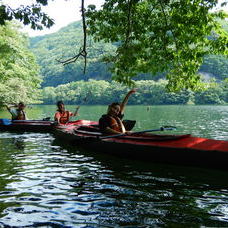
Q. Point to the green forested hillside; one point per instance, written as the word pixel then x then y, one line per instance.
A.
pixel 66 43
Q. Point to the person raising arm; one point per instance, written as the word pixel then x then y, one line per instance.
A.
pixel 124 102
pixel 111 122
pixel 17 111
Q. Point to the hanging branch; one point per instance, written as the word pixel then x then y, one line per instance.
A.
pixel 129 23
pixel 82 51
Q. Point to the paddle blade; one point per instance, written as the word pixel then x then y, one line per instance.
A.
pixel 165 128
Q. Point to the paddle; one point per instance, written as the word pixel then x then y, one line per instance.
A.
pixel 76 110
pixel 15 106
pixel 84 101
pixel 78 107
pixel 164 128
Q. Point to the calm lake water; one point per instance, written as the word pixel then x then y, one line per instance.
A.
pixel 47 184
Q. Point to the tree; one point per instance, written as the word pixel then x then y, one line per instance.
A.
pixel 62 44
pixel 19 73
pixel 31 14
pixel 214 94
pixel 155 36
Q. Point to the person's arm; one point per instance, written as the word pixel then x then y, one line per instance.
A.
pixel 12 110
pixel 9 107
pixel 125 100
pixel 25 114
pixel 109 131
pixel 104 125
pixel 57 117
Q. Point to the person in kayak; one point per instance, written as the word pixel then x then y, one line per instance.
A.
pixel 111 123
pixel 62 116
pixel 17 111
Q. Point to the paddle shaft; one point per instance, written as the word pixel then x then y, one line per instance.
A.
pixel 78 107
pixel 138 132
pixel 76 111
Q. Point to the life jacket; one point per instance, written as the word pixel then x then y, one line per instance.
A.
pixel 20 115
pixel 64 117
pixel 116 124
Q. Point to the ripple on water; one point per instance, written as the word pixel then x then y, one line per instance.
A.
pixel 42 184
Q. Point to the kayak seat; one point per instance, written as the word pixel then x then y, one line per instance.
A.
pixel 94 128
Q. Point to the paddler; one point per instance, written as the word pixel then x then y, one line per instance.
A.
pixel 111 123
pixel 17 111
pixel 62 116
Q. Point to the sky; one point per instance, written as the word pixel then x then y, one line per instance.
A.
pixel 63 12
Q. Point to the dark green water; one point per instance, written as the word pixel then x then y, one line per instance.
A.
pixel 47 184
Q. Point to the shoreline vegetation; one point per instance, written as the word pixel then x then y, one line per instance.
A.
pixel 149 92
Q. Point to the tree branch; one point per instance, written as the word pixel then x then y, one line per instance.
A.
pixel 82 51
pixel 129 24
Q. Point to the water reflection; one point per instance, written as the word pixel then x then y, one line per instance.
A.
pixel 141 193
pixel 19 143
pixel 44 182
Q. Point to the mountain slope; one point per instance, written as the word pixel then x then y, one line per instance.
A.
pixel 66 43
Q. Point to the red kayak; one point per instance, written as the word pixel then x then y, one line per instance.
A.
pixel 36 125
pixel 48 126
pixel 175 149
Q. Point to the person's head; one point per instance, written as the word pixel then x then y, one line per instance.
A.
pixel 60 106
pixel 21 105
pixel 114 109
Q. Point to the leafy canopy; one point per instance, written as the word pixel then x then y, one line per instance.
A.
pixel 19 73
pixel 31 14
pixel 63 44
pixel 154 36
